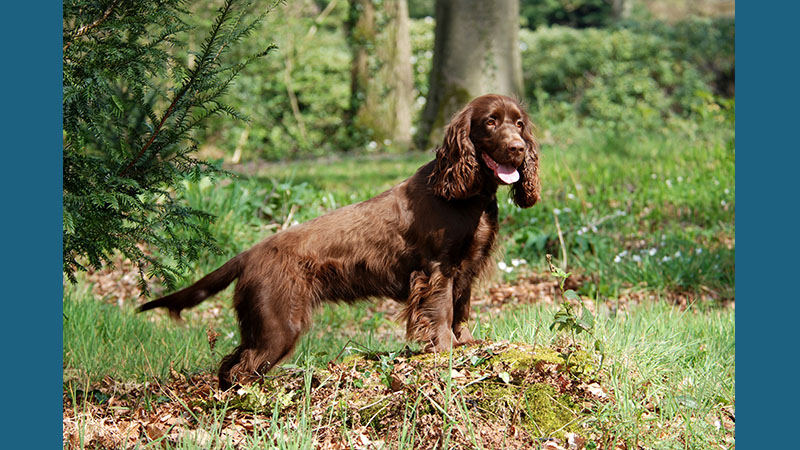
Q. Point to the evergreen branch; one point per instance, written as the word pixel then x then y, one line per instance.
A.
pixel 194 74
pixel 82 31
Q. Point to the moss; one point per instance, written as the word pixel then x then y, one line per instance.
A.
pixel 536 407
pixel 520 358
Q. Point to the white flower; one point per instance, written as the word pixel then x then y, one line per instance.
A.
pixel 571 196
pixel 556 211
pixel 723 203
pixel 502 265
pixel 653 176
pixel 727 191
pixel 372 145
pixel 566 210
pixel 698 251
pixel 652 251
pixel 636 258
pixel 678 254
pixel 665 259
pixel 716 182
pixel 387 142
pixel 517 262
pixel 669 183
pixel 680 179
pixel 617 259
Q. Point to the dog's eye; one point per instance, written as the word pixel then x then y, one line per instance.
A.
pixel 520 124
pixel 491 122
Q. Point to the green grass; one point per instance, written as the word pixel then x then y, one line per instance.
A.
pixel 667 368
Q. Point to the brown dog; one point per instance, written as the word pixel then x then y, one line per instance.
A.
pixel 422 242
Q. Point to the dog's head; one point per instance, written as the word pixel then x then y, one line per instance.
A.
pixel 490 141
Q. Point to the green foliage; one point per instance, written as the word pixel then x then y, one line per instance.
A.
pixel 707 44
pixel 419 9
pixel 297 99
pixel 313 65
pixel 132 103
pixel 619 79
pixel 629 79
pixel 421 36
pixel 571 13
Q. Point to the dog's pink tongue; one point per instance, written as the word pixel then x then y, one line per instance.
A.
pixel 507 174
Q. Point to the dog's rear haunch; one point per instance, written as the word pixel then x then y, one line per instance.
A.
pixel 422 242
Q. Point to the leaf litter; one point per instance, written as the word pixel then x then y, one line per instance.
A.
pixel 490 395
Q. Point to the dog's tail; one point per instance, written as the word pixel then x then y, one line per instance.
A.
pixel 199 291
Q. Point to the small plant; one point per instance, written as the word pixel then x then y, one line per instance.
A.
pixel 567 317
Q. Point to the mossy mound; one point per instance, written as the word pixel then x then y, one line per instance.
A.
pixel 495 394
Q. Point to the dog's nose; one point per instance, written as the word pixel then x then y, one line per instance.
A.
pixel 516 147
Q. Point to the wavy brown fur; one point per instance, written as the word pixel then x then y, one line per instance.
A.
pixel 422 242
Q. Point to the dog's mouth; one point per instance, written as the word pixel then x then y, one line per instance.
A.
pixel 505 173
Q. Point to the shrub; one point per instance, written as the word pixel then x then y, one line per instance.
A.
pixel 131 107
pixel 626 78
pixel 571 13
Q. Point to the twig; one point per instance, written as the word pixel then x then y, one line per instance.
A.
pixel 289 216
pixel 287 79
pixel 328 9
pixel 561 241
pixel 87 28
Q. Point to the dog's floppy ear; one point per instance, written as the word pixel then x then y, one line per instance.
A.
pixel 455 174
pixel 526 191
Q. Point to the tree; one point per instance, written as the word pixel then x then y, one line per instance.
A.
pixel 132 101
pixel 381 76
pixel 476 51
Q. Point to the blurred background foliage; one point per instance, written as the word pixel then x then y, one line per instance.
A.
pixel 581 66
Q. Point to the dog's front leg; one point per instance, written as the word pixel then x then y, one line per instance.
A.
pixel 429 311
pixel 461 310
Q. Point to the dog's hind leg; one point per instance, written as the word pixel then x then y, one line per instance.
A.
pixel 269 332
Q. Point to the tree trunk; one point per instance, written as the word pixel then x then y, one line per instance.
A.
pixel 476 51
pixel 397 75
pixel 361 34
pixel 621 9
pixel 382 83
